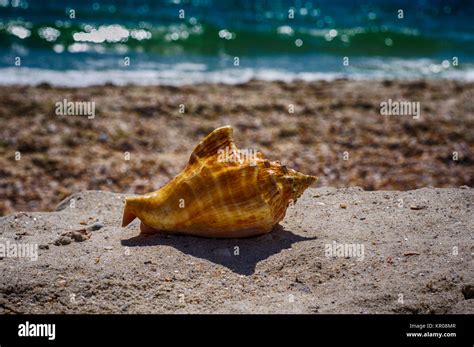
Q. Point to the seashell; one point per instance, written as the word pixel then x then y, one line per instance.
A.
pixel 223 192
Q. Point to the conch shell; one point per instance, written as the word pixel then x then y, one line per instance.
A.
pixel 222 192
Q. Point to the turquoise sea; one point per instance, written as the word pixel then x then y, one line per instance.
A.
pixel 80 43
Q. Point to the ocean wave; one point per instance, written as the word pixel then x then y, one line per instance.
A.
pixel 194 37
pixel 197 73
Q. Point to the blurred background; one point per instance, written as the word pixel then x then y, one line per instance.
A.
pixel 178 42
pixel 163 74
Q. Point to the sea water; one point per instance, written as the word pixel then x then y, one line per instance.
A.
pixel 81 43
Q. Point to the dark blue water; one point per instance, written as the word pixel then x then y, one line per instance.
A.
pixel 176 42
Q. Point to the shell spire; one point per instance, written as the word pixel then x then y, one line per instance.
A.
pixel 222 192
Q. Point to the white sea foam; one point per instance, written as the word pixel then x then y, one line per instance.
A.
pixel 176 77
pixel 187 73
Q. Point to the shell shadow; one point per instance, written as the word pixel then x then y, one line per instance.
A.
pixel 239 255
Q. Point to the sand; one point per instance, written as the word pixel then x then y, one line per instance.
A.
pixel 417 258
pixel 336 133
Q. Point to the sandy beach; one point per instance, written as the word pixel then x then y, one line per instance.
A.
pixel 141 136
pixel 410 257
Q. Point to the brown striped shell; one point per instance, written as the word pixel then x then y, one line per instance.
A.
pixel 223 192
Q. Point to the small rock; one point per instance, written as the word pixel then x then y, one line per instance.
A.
pixel 343 205
pixel 79 235
pixel 103 137
pixel 62 241
pixel 51 128
pixel 108 248
pixel 43 246
pixel 95 226
pixel 69 236
pixel 417 207
pixel 407 254
pixel 468 291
